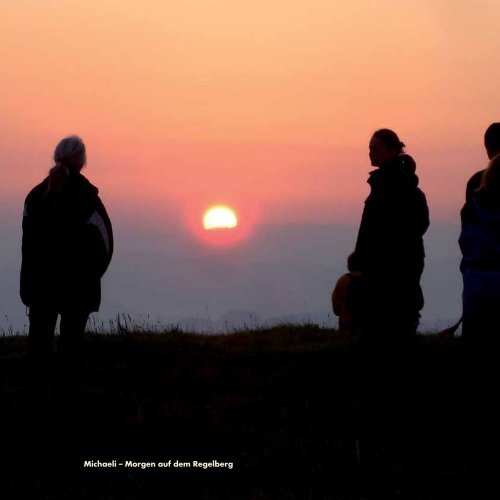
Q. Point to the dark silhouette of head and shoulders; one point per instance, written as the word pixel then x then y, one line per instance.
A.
pixel 492 146
pixel 395 169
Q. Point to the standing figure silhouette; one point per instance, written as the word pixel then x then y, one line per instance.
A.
pixel 492 146
pixel 67 245
pixel 389 247
pixel 480 246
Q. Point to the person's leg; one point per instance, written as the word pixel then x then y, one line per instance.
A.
pixel 40 339
pixel 35 418
pixel 72 330
pixel 36 407
pixel 41 331
pixel 69 382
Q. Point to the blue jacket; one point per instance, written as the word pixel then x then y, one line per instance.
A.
pixel 480 245
pixel 480 236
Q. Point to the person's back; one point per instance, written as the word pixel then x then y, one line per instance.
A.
pixel 480 246
pixel 66 245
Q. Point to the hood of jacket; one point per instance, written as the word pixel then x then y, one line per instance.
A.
pixel 398 172
pixel 76 200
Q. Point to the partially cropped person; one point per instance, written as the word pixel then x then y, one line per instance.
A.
pixel 492 146
pixel 390 247
pixel 480 246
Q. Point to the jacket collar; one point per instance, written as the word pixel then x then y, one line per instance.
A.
pixel 393 172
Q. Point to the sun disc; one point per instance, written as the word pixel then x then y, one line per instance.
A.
pixel 220 217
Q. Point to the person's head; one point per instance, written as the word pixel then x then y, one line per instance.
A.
pixel 492 140
pixel 70 152
pixel 490 182
pixel 69 157
pixel 353 263
pixel 384 145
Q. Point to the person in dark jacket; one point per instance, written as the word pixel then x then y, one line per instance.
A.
pixel 389 247
pixel 480 245
pixel 492 145
pixel 67 245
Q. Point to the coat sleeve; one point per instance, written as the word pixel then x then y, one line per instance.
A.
pixel 100 222
pixel 371 232
pixel 364 236
pixel 467 212
pixel 421 214
pixel 339 295
pixel 27 256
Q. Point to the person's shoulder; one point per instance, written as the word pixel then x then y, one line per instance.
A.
pixel 37 191
pixel 344 279
pixel 474 182
pixel 476 178
pixel 83 187
pixel 82 180
pixel 484 200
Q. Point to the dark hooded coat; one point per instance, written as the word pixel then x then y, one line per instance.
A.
pixel 67 245
pixel 390 244
pixel 468 210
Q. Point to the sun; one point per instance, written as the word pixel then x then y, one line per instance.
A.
pixel 220 217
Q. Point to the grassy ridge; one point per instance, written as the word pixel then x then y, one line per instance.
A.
pixel 301 412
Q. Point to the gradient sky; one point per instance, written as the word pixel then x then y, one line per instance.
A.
pixel 264 105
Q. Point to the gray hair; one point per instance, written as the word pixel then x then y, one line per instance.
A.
pixel 70 152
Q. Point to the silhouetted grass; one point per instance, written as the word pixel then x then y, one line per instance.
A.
pixel 302 412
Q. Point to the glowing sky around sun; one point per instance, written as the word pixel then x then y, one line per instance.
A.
pixel 267 105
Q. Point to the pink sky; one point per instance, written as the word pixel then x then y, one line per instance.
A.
pixel 266 105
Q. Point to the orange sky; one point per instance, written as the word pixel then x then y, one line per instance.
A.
pixel 265 105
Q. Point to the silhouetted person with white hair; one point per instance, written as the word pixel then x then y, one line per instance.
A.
pixel 67 245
